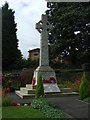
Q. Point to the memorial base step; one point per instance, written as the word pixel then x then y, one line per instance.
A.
pixel 66 90
pixel 24 95
pixel 47 95
pixel 29 92
pixel 30 86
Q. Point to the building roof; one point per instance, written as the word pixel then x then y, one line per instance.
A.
pixel 34 49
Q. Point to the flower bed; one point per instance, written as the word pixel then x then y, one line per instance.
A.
pixel 19 104
pixel 74 86
pixel 5 88
pixel 48 109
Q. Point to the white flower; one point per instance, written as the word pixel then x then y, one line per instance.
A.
pixel 18 104
pixel 25 104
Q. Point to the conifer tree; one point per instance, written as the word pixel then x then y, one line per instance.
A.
pixel 83 90
pixel 39 88
pixel 10 51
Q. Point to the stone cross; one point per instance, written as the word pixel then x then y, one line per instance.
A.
pixel 43 26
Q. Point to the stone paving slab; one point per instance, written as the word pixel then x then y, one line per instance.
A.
pixel 71 105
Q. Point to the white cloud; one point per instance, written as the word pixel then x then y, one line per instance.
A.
pixel 27 14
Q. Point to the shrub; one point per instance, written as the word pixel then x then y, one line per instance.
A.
pixel 9 82
pixel 48 109
pixel 87 100
pixel 39 103
pixel 39 88
pixel 5 86
pixel 15 86
pixel 4 82
pixel 83 90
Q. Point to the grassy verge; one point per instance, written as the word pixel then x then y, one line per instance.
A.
pixel 21 112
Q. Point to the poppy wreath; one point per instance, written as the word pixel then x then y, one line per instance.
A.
pixel 52 80
pixel 45 81
pixel 33 81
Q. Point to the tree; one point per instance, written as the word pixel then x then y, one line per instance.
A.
pixel 39 88
pixel 10 51
pixel 83 90
pixel 71 30
pixel 32 63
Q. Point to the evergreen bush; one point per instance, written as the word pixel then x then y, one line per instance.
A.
pixel 83 90
pixel 49 109
pixel 39 88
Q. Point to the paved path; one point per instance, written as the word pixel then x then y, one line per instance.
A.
pixel 71 105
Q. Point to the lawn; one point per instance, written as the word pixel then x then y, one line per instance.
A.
pixel 21 112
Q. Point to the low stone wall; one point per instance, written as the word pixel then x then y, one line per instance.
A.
pixel 23 77
pixel 26 76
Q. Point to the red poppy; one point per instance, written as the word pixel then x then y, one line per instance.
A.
pixel 13 104
pixel 77 82
pixel 33 81
pixel 45 81
pixel 8 90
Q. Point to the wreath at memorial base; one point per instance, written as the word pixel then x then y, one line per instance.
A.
pixel 33 81
pixel 52 80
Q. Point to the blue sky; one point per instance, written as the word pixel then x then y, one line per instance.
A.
pixel 27 14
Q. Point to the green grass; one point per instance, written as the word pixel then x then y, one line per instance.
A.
pixel 21 112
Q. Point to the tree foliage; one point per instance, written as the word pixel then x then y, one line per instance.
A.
pixel 71 30
pixel 39 88
pixel 10 51
pixel 83 90
pixel 26 63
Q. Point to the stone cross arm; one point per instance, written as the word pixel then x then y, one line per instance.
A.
pixel 43 25
pixel 39 26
